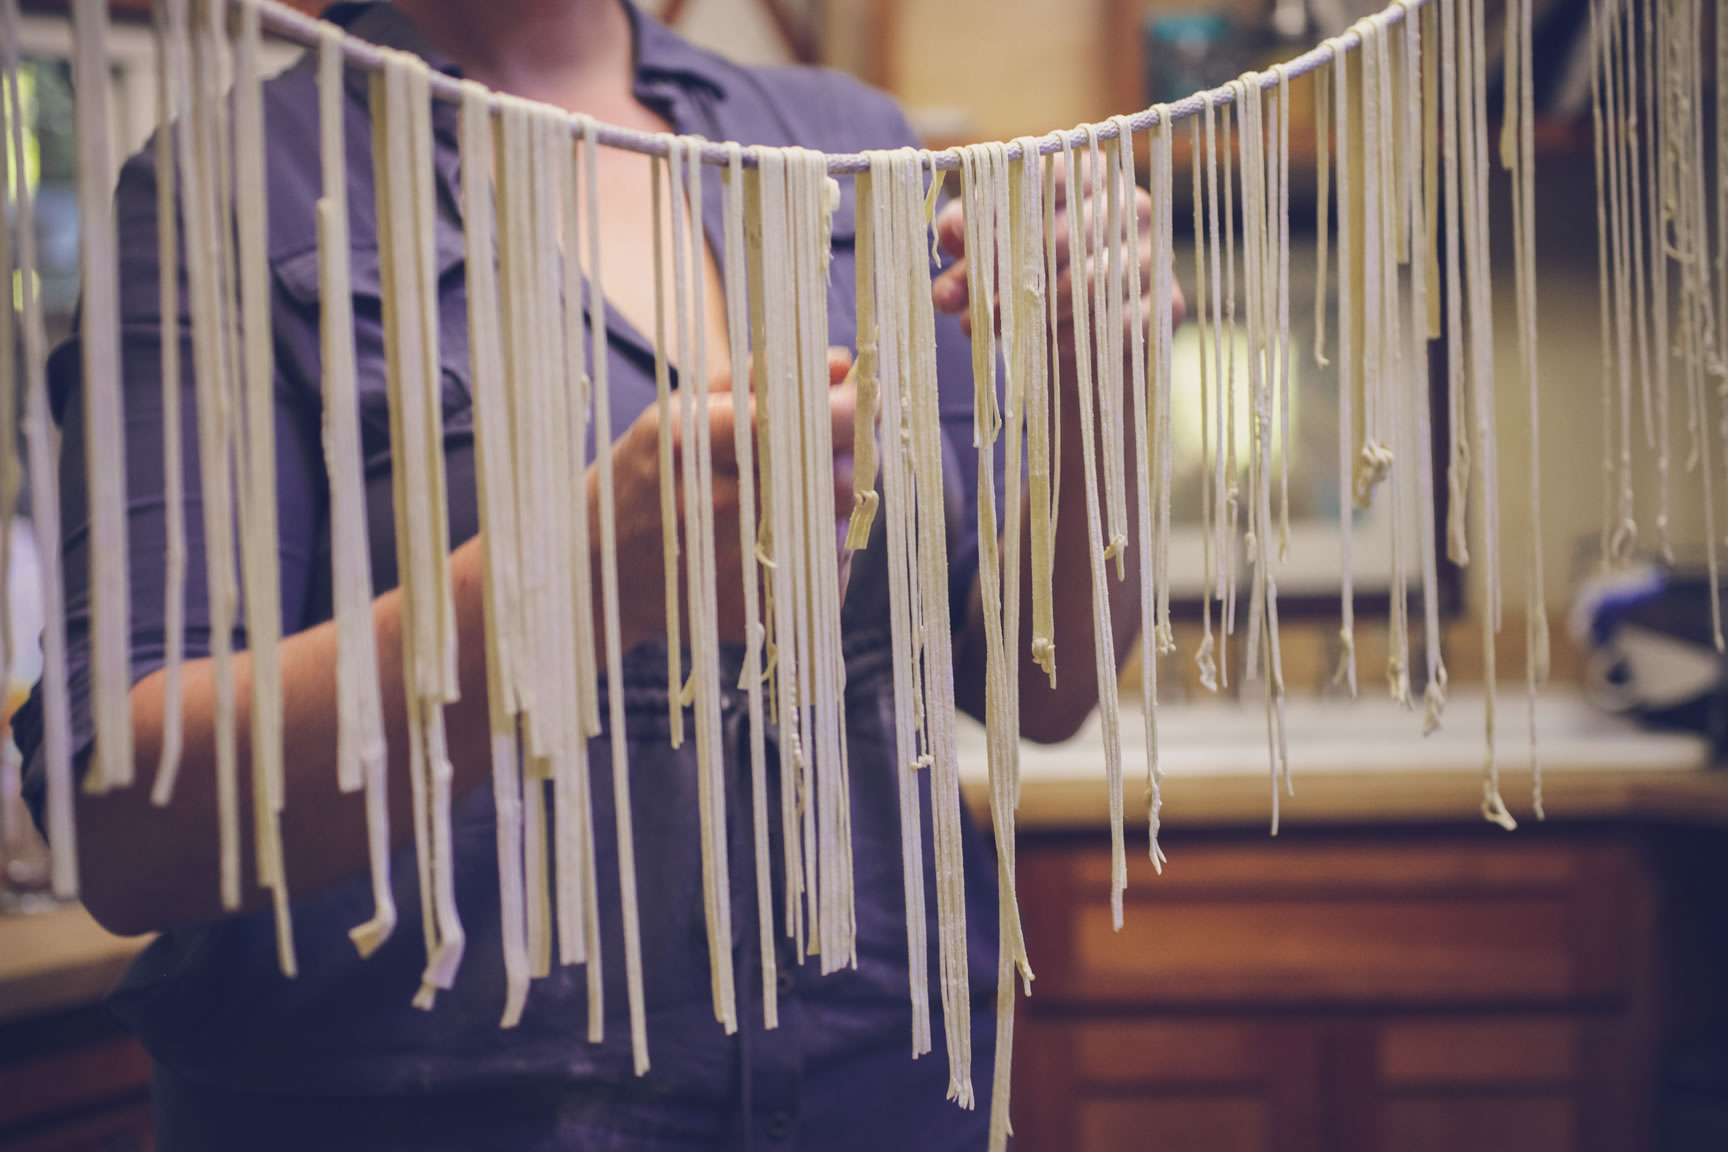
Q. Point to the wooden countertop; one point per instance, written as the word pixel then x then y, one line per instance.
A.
pixel 1355 762
pixel 58 959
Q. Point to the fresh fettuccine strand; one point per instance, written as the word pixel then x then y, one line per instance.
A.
pixel 173 28
pixel 494 479
pixel 41 447
pixel 609 608
pixel 689 285
pixel 585 725
pixel 205 204
pixel 258 534
pixel 889 199
pixel 668 495
pixel 1348 367
pixel 104 407
pixel 360 752
pixel 1104 648
pixel 1106 317
pixel 1205 657
pixel 1162 384
pixel 750 678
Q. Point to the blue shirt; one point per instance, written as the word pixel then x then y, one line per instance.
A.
pixel 338 1056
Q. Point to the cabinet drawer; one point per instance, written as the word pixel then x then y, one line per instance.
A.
pixel 1374 922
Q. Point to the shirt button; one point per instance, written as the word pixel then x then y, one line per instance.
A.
pixel 779 1125
pixel 785 981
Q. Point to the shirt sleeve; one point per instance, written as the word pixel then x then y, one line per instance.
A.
pixel 299 475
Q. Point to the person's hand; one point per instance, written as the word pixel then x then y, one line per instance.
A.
pixel 950 290
pixel 636 480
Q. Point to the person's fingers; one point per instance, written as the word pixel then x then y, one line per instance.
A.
pixel 839 363
pixel 951 228
pixel 842 417
pixel 949 291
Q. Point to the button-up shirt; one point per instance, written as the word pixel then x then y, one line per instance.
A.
pixel 338 1055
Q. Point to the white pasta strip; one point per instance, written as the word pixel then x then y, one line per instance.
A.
pixel 668 494
pixel 1392 105
pixel 1472 116
pixel 1422 189
pixel 1227 427
pixel 687 265
pixel 1348 365
pixel 1103 646
pixel 9 470
pixel 259 537
pixel 1106 317
pixel 104 406
pixel 585 725
pixel 361 758
pixel 1161 408
pixel 173 29
pixel 736 284
pixel 204 206
pixel 403 163
pixel 765 207
pixel 825 668
pixel 1223 563
pixel 1322 203
pixel 939 682
pixel 524 554
pixel 890 220
pixel 498 530
pixel 1457 397
pixel 609 603
pixel 1655 92
pixel 1205 657
pixel 42 451
pixel 1281 139
pixel 1035 367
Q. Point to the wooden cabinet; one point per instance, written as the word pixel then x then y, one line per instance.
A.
pixel 1404 992
pixel 73 1081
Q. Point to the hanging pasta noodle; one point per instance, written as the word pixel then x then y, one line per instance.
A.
pixel 404 175
pixel 889 220
pixel 1422 191
pixel 764 209
pixel 668 494
pixel 1223 523
pixel 939 679
pixel 1521 161
pixel 1389 193
pixel 585 725
pixel 205 203
pixel 530 679
pixel 697 459
pixel 104 407
pixel 498 531
pixel 9 471
pixel 172 29
pixel 1472 117
pixel 1282 219
pixel 1106 317
pixel 1205 657
pixel 1103 647
pixel 609 609
pixel 1349 368
pixel 1457 397
pixel 750 676
pixel 42 451
pixel 260 577
pixel 361 756
pixel 1161 410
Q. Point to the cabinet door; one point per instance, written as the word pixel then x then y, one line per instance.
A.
pixel 1117 1085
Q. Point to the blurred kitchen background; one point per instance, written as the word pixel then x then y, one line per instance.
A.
pixel 1390 972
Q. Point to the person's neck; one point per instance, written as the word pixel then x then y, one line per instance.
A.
pixel 576 54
